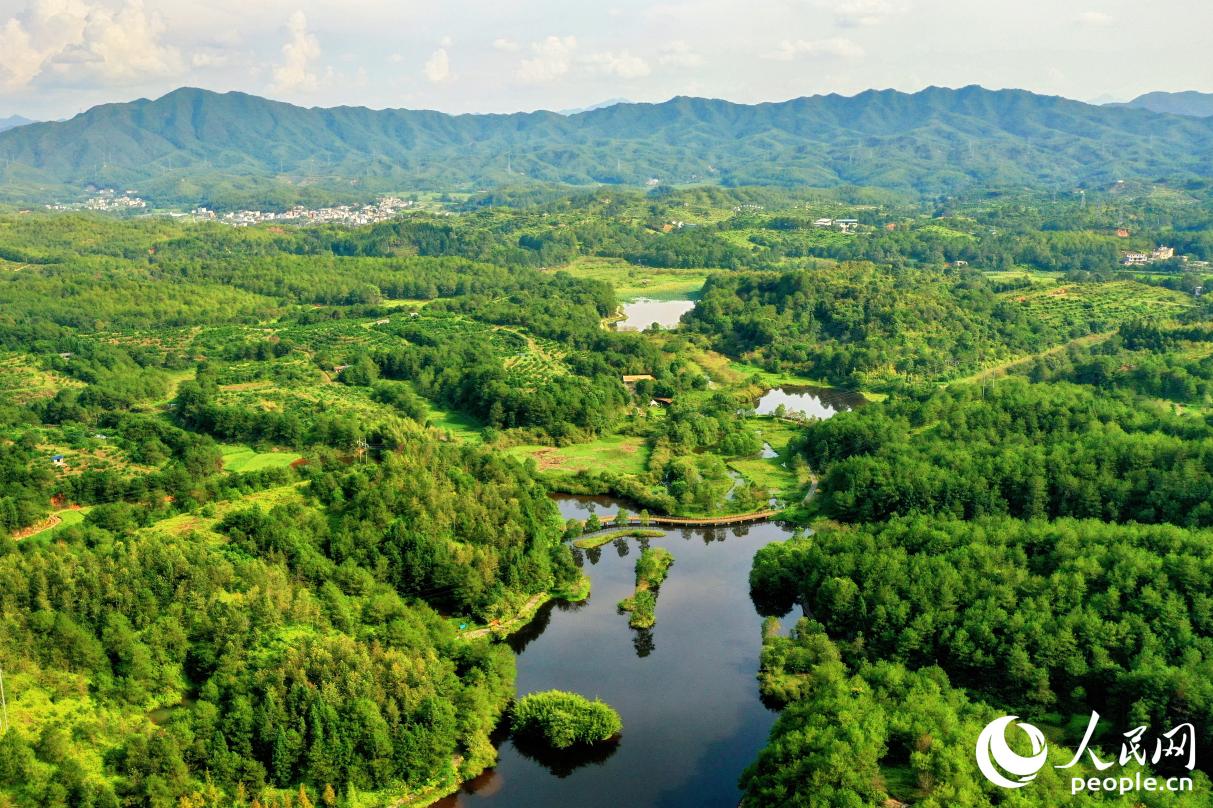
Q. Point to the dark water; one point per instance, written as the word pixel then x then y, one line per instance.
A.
pixel 812 402
pixel 686 690
pixel 641 313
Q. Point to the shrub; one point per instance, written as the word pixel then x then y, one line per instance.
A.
pixel 565 719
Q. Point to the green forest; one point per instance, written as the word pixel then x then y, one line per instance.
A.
pixel 271 497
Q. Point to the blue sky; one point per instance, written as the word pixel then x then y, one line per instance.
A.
pixel 58 57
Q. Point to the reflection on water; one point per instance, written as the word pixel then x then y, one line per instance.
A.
pixel 811 402
pixel 581 507
pixel 686 689
pixel 640 314
pixel 563 762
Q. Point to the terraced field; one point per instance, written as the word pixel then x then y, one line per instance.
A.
pixel 1102 305
pixel 23 381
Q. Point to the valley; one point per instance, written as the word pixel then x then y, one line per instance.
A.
pixel 304 510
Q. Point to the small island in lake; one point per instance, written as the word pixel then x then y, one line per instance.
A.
pixel 651 569
pixel 563 720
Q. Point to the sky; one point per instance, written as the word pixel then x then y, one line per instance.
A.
pixel 60 57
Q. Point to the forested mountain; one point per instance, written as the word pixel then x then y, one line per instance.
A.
pixel 199 146
pixel 1197 105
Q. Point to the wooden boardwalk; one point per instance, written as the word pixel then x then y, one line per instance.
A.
pixel 608 521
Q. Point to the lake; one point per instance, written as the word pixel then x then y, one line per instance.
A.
pixel 686 689
pixel 641 313
pixel 812 402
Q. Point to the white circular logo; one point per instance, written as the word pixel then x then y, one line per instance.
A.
pixel 992 749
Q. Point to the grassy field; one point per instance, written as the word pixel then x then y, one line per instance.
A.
pixel 57 521
pixel 768 378
pixel 242 459
pixel 617 454
pixel 631 281
pixel 462 427
pixel 732 372
pixel 775 474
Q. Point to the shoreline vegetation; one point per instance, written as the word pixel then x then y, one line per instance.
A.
pixel 590 542
pixel 500 628
pixel 651 570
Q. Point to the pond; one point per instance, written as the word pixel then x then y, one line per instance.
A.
pixel 811 402
pixel 641 313
pixel 686 689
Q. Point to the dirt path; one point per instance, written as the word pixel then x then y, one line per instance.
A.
pixel 990 372
pixel 812 488
pixel 524 615
pixel 34 530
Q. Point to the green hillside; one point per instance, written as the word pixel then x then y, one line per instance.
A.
pixel 228 149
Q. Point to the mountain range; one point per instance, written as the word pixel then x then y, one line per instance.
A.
pixel 12 122
pixel 196 146
pixel 610 102
pixel 1192 103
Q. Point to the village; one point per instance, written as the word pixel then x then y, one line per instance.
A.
pixel 106 200
pixel 1136 259
pixel 383 209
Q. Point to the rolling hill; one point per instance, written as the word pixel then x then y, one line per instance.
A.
pixel 1194 104
pixel 196 146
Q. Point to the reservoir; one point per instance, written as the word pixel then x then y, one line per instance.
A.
pixel 641 313
pixel 686 689
pixel 810 402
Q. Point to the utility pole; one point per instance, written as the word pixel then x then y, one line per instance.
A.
pixel 3 705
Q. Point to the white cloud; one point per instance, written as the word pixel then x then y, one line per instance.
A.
pixel 20 60
pixel 504 44
pixel 551 58
pixel 834 47
pixel 438 66
pixel 1095 19
pixel 624 64
pixel 211 58
pixel 679 54
pixel 299 54
pixel 853 13
pixel 75 43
